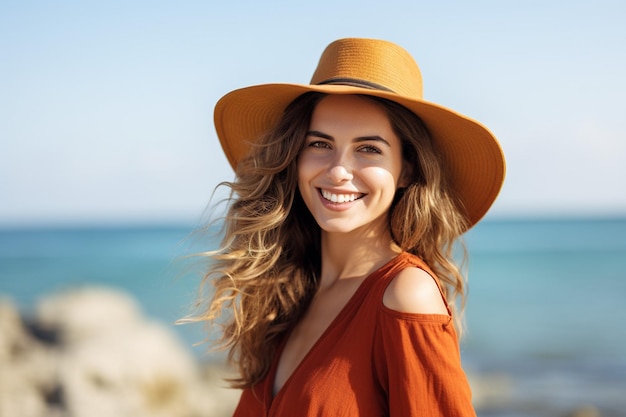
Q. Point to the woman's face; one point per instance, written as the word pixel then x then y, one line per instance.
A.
pixel 351 165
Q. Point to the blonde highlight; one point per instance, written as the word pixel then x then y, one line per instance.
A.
pixel 263 273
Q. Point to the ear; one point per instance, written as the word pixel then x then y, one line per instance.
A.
pixel 406 176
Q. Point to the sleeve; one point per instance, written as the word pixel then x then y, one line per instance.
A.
pixel 418 366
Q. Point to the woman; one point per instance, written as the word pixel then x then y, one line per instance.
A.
pixel 336 270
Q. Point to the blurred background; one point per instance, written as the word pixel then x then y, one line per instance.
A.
pixel 108 160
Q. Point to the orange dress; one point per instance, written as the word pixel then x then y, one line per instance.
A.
pixel 372 362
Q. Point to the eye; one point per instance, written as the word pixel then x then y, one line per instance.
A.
pixel 320 144
pixel 369 149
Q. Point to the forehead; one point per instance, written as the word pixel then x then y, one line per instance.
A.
pixel 351 112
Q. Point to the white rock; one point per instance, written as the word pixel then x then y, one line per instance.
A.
pixel 88 312
pixel 111 362
pixel 27 368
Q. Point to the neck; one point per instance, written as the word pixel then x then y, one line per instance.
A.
pixel 354 254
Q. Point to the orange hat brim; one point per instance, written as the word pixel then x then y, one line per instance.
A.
pixel 472 155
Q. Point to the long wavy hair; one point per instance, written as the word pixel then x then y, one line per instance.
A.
pixel 266 270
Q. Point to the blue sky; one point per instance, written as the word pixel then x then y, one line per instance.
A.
pixel 106 109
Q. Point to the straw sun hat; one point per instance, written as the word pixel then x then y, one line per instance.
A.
pixel 472 154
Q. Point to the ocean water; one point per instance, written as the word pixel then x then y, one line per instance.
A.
pixel 547 307
pixel 546 313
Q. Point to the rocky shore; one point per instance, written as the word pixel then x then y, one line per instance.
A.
pixel 92 353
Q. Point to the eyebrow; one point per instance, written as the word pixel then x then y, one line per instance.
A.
pixel 374 138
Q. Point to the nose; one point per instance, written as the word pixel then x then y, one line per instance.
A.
pixel 340 170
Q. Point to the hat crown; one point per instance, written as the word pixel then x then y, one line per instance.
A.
pixel 369 63
pixel 472 156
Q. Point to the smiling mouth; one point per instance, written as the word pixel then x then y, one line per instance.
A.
pixel 340 198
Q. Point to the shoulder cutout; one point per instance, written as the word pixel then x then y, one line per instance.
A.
pixel 413 290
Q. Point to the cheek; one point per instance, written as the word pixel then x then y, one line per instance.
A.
pixel 308 167
pixel 303 164
pixel 381 178
pixel 305 173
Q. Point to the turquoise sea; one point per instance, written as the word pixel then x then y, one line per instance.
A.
pixel 546 313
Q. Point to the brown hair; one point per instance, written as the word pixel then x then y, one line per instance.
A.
pixel 440 219
pixel 266 270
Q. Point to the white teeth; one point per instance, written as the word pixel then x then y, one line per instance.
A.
pixel 338 198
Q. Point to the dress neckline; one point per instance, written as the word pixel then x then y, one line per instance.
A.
pixel 270 396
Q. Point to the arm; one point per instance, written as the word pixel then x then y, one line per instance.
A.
pixel 417 353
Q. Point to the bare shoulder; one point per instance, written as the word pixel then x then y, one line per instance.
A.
pixel 413 290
